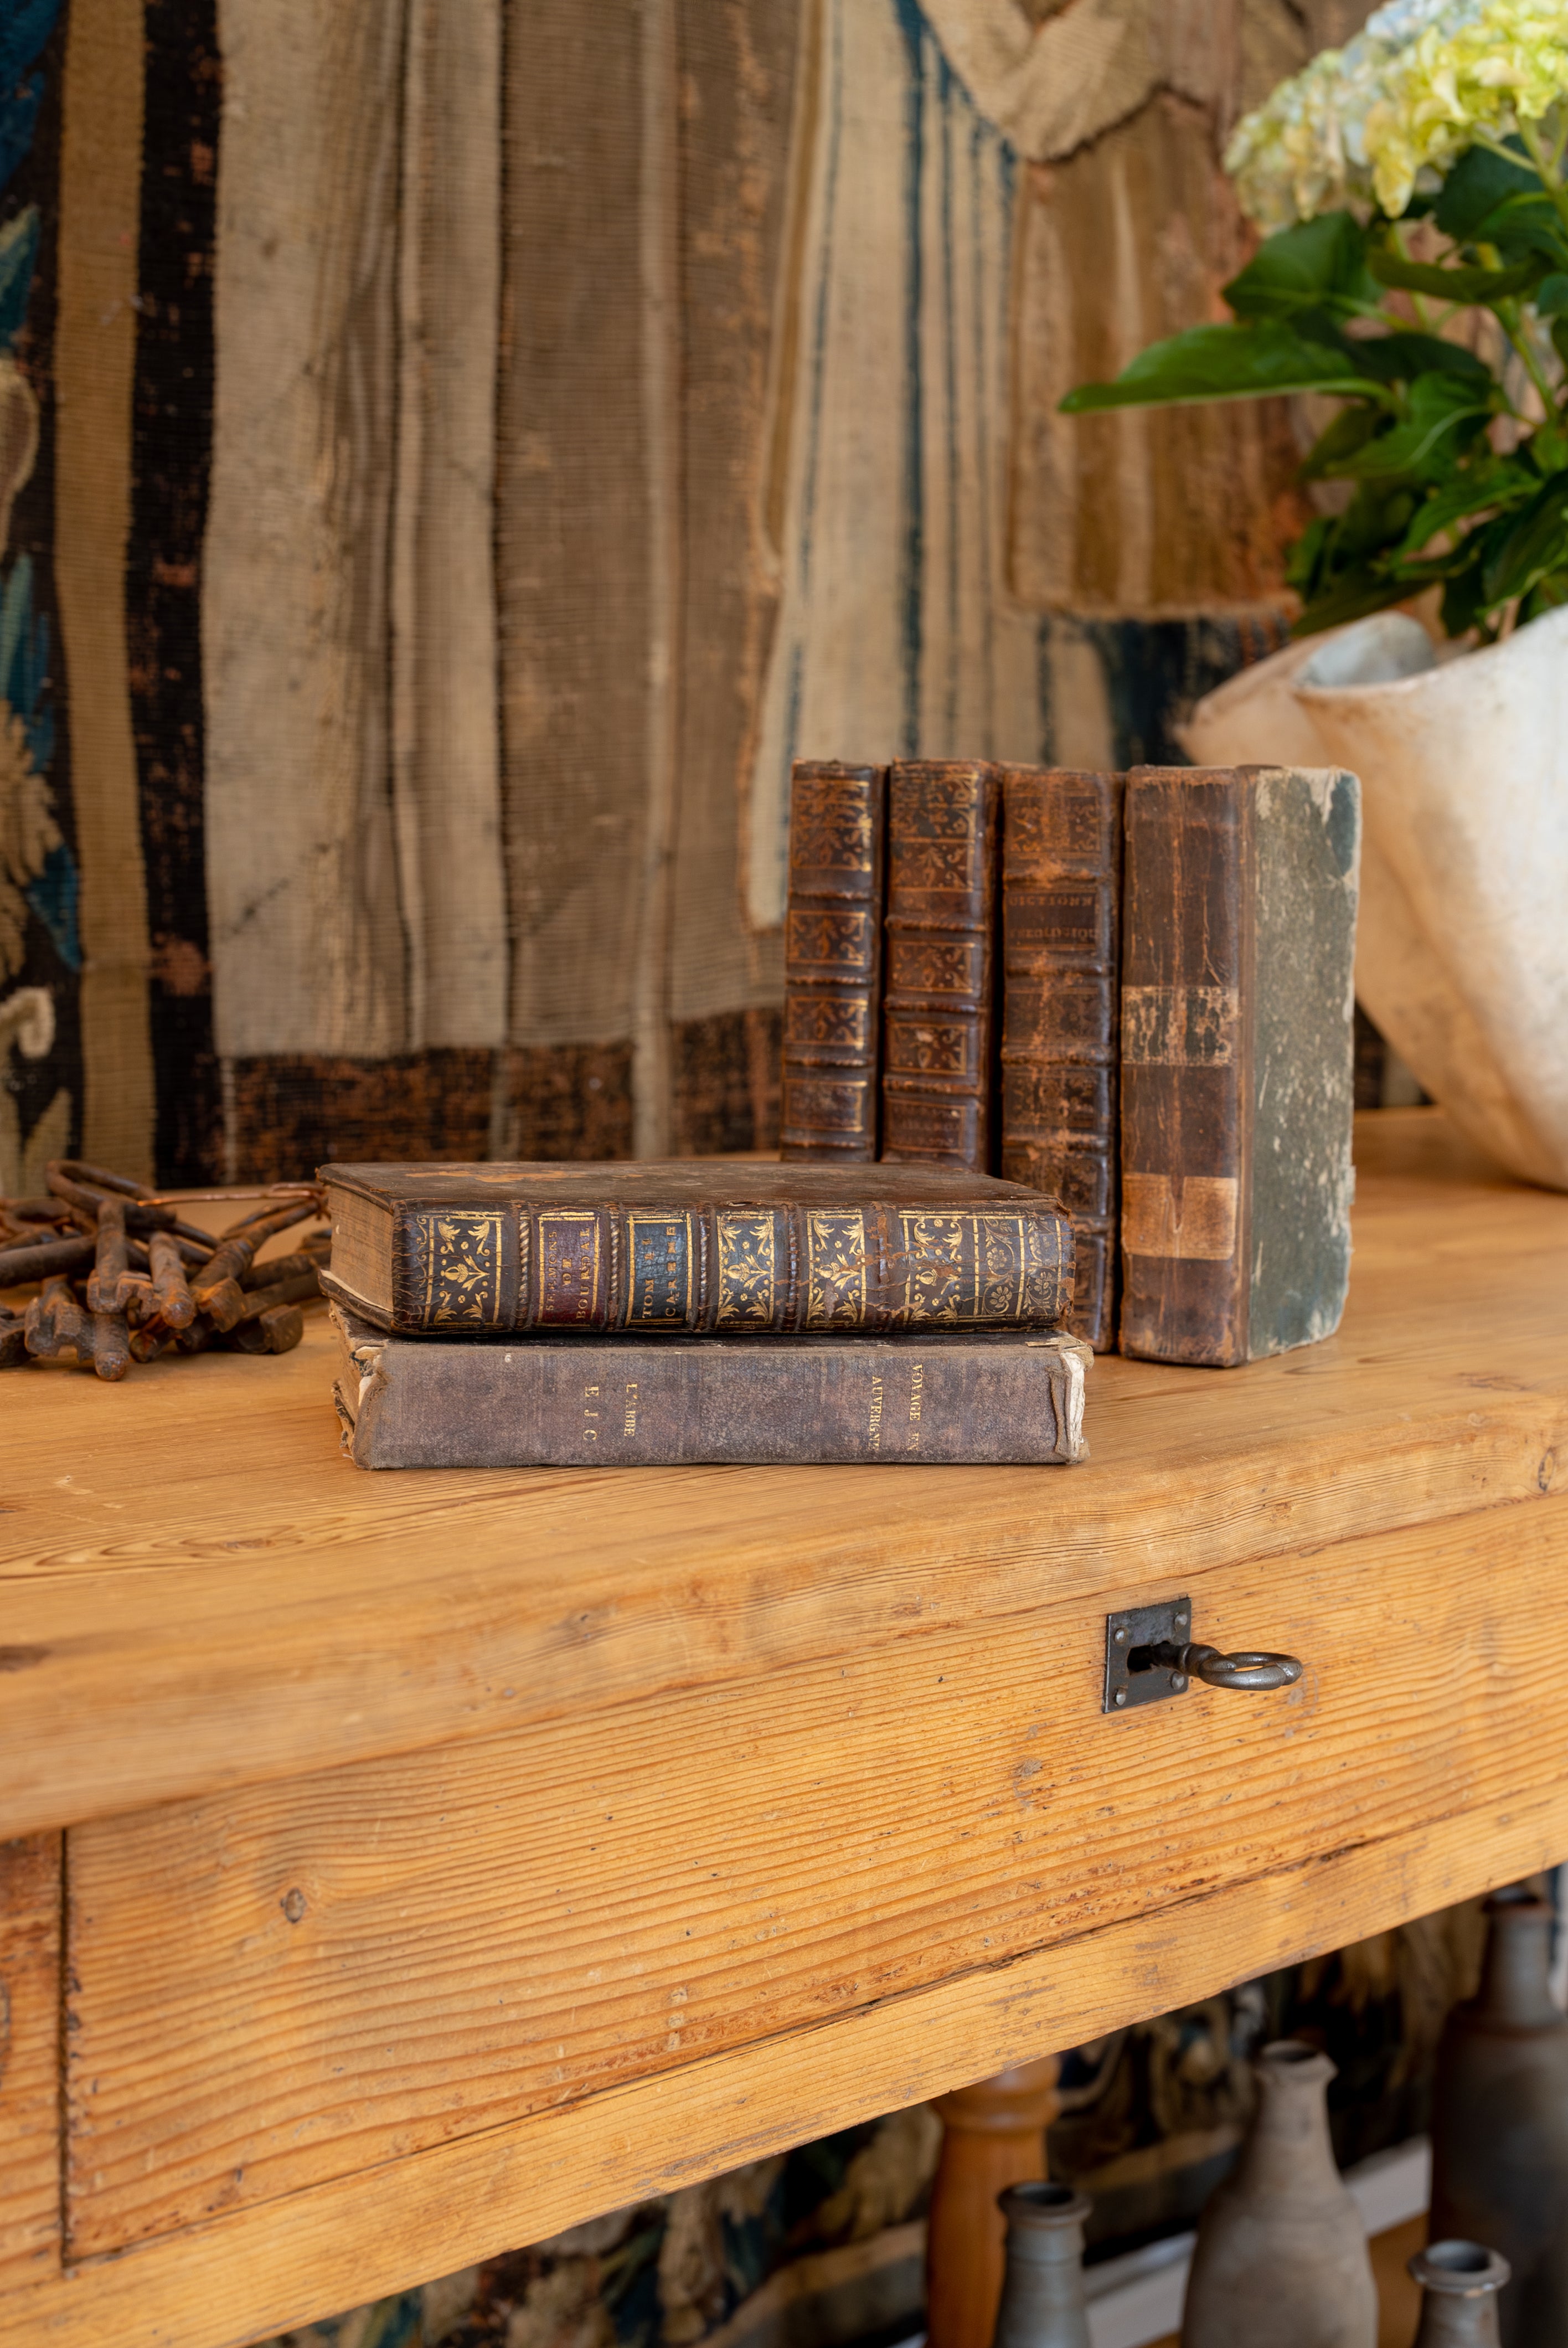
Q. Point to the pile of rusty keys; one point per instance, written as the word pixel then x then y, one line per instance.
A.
pixel 122 1279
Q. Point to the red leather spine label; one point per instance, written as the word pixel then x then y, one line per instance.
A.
pixel 574 1269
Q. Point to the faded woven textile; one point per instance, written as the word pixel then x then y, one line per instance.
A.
pixel 500 442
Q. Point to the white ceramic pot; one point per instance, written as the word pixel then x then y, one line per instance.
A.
pixel 1461 954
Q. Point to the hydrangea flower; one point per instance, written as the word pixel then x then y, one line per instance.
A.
pixel 1306 149
pixel 1506 66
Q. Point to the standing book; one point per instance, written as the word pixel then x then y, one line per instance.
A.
pixel 1062 902
pixel 1237 996
pixel 831 1096
pixel 938 1072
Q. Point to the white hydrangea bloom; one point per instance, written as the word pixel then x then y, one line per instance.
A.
pixel 1505 66
pixel 1304 151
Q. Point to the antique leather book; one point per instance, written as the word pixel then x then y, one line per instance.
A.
pixel 938 1071
pixel 1238 946
pixel 1062 917
pixel 833 962
pixel 631 1402
pixel 688 1247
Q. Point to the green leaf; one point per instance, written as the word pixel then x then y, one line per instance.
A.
pixel 1306 563
pixel 1242 362
pixel 1476 185
pixel 1551 297
pixel 1318 264
pixel 1350 598
pixel 1548 594
pixel 1536 544
pixel 1487 200
pixel 1497 487
pixel 1463 606
pixel 1458 284
pixel 1398 357
pixel 1444 414
pixel 1350 431
pixel 1546 450
pixel 1339 550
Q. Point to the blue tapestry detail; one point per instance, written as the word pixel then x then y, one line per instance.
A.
pixel 19 252
pixel 25 27
pixel 52 897
pixel 24 661
pixel 1155 670
pixel 18 121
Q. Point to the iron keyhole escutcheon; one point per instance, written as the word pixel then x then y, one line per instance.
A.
pixel 1151 1654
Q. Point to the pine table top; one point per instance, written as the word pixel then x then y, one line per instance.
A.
pixel 198 1591
pixel 451 1857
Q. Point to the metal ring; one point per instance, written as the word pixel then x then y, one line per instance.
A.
pixel 1258 1671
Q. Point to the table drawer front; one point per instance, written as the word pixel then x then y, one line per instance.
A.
pixel 298 1982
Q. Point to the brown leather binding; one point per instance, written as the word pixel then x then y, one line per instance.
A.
pixel 833 962
pixel 937 1065
pixel 1062 900
pixel 618 1402
pixel 1238 1058
pixel 693 1246
pixel 1186 1064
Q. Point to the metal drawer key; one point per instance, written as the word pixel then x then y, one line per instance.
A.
pixel 1149 1655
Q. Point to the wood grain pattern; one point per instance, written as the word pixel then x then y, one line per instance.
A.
pixel 220 1610
pixel 29 2060
pixel 267 2267
pixel 304 1979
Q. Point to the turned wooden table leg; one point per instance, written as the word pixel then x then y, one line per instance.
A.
pixel 993 2136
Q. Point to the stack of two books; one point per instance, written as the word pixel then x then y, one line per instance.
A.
pixel 699 1311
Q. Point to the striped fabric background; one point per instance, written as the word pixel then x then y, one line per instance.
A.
pixel 456 452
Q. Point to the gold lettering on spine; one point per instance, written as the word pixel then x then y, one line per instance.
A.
pixel 660 1292
pixel 875 1430
pixel 917 1399
pixel 835 1271
pixel 568 1268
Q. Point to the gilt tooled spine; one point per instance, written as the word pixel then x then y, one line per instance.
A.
pixel 731 1270
pixel 1061 898
pixel 833 963
pixel 938 1019
pixel 1187 1077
